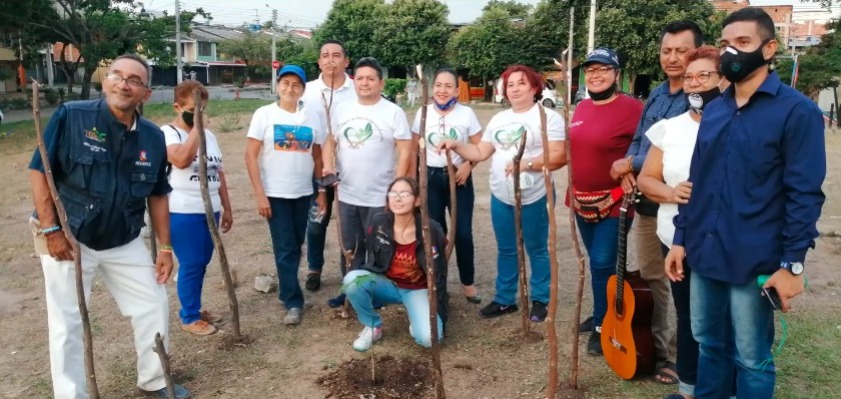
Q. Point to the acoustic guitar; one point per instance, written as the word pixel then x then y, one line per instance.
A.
pixel 627 341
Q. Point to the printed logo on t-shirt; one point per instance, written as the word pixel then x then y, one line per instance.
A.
pixel 292 138
pixel 213 163
pixel 509 136
pixel 433 137
pixel 358 131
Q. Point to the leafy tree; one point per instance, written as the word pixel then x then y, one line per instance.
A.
pixel 253 48
pixel 354 23
pixel 514 8
pixel 820 65
pixel 412 32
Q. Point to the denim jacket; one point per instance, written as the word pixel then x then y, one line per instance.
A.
pixel 380 243
pixel 103 171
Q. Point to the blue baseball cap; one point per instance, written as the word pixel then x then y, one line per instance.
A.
pixel 294 70
pixel 603 55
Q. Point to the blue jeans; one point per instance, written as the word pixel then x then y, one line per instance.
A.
pixel 733 324
pixel 317 235
pixel 687 348
pixel 287 227
pixel 601 240
pixel 535 236
pixel 363 288
pixel 438 198
pixel 193 246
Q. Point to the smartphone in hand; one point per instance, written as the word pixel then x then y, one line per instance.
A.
pixel 773 297
pixel 328 181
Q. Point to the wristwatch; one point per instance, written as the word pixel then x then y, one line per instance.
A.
pixel 531 165
pixel 796 268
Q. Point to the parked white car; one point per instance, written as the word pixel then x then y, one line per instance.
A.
pixel 550 96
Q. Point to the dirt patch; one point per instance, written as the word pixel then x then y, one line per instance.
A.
pixel 395 378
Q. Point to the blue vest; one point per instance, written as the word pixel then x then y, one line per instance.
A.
pixel 103 171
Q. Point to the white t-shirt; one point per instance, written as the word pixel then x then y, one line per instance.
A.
pixel 366 137
pixel 504 131
pixel 286 163
pixel 313 101
pixel 459 124
pixel 185 196
pixel 676 138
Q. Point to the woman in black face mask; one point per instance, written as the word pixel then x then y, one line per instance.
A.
pixel 663 179
pixel 601 131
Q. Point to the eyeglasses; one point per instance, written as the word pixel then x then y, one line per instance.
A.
pixel 597 71
pixel 133 82
pixel 701 77
pixel 400 194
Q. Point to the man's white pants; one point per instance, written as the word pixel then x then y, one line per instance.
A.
pixel 129 274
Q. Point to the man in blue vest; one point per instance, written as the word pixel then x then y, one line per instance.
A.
pixel 106 161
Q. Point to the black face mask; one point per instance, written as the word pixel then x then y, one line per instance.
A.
pixel 603 95
pixel 698 101
pixel 187 117
pixel 736 65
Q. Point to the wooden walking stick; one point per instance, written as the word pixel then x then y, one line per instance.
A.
pixel 579 293
pixel 427 247
pixel 161 351
pixel 347 255
pixel 211 221
pixel 451 234
pixel 61 214
pixel 553 262
pixel 518 230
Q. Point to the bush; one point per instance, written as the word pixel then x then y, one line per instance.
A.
pixel 97 86
pixel 239 81
pixel 51 95
pixel 393 87
pixel 14 103
pixel 61 94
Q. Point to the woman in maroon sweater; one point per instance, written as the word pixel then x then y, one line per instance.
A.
pixel 601 131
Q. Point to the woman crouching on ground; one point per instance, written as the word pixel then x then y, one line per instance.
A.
pixel 395 270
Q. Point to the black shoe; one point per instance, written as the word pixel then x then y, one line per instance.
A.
pixel 313 282
pixel 586 326
pixel 496 309
pixel 538 311
pixel 336 302
pixel 594 346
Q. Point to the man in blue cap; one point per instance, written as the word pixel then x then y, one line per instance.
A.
pixel 283 156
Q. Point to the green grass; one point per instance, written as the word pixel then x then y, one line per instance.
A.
pixel 17 137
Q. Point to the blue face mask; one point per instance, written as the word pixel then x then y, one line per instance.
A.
pixel 449 104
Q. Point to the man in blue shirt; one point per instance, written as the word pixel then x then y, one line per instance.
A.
pixel 756 172
pixel 106 161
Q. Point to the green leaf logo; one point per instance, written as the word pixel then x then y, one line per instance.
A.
pixel 508 139
pixel 356 138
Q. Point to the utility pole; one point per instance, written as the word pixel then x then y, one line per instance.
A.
pixel 274 50
pixel 179 73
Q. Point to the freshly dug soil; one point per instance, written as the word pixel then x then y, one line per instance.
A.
pixel 396 378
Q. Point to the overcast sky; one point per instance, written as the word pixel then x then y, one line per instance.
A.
pixel 309 13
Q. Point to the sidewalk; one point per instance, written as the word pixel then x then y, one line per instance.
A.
pixel 25 114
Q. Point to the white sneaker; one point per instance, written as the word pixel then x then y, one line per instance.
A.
pixel 293 317
pixel 367 337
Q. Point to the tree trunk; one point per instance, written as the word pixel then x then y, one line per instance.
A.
pixel 427 248
pixel 86 82
pixel 211 221
pixel 87 338
pixel 551 333
pixel 518 229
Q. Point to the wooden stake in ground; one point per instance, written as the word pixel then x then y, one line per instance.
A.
pixel 211 221
pixel 451 233
pixel 161 351
pixel 427 246
pixel 518 229
pixel 579 293
pixel 347 254
pixel 552 384
pixel 61 213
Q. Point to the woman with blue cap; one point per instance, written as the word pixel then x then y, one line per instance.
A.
pixel 282 156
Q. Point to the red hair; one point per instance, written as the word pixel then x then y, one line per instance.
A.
pixel 186 89
pixel 704 53
pixel 531 76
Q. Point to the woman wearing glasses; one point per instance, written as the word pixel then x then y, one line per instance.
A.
pixel 522 86
pixel 395 270
pixel 601 132
pixel 191 239
pixel 449 120
pixel 663 179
